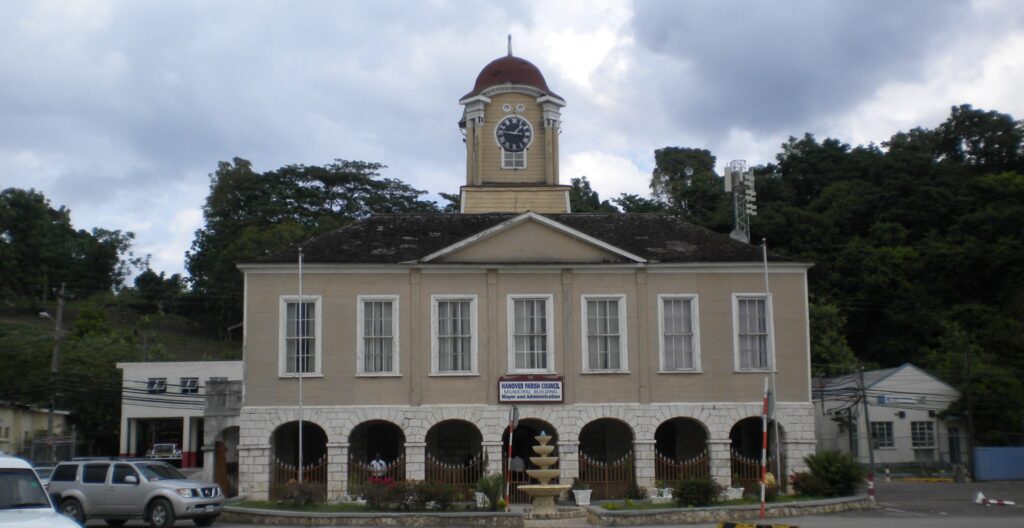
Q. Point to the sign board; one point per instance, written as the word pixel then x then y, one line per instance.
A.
pixel 539 389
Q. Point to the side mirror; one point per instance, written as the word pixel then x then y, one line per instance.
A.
pixel 131 479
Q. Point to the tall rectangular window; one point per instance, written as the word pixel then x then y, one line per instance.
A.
pixel 679 333
pixel 530 333
pixel 751 316
pixel 454 335
pixel 604 327
pixel 378 335
pixel 881 433
pixel 300 337
pixel 922 434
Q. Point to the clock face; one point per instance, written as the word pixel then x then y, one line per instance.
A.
pixel 514 133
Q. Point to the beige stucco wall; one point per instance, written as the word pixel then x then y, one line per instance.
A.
pixel 339 384
pixel 531 242
pixel 20 424
pixel 515 200
pixel 490 152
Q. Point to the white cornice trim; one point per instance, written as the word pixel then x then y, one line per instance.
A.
pixel 551 99
pixel 530 215
pixel 476 98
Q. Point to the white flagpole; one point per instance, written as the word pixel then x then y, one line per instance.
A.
pixel 770 316
pixel 300 357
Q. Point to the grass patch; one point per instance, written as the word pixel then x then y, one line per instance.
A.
pixel 341 507
pixel 645 505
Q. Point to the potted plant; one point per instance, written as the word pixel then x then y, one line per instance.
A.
pixel 664 489
pixel 581 492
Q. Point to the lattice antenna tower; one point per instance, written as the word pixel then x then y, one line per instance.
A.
pixel 739 180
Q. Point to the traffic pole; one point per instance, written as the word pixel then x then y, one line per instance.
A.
pixel 764 446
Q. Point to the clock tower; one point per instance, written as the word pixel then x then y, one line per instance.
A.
pixel 511 121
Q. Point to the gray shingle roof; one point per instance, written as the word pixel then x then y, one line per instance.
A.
pixel 398 238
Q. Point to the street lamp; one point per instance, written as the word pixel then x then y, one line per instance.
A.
pixel 54 366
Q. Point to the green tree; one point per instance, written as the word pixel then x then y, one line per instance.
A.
pixel 685 180
pixel 248 214
pixel 830 353
pixel 584 199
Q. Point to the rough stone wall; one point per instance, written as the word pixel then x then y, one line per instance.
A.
pixel 258 424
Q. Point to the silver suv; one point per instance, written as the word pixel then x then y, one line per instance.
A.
pixel 119 490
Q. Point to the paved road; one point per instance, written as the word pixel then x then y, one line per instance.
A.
pixel 905 505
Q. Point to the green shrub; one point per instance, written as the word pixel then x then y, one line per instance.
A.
pixel 806 484
pixel 698 491
pixel 493 486
pixel 301 494
pixel 426 493
pixel 837 473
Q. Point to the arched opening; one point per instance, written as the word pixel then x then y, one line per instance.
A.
pixel 606 458
pixel 376 440
pixel 225 461
pixel 455 457
pixel 522 449
pixel 681 451
pixel 746 438
pixel 284 467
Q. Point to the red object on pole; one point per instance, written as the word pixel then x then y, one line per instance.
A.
pixel 764 446
pixel 871 486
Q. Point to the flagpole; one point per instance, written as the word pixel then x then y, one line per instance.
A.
pixel 770 315
pixel 300 357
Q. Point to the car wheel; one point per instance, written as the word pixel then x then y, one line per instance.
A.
pixel 204 521
pixel 73 509
pixel 116 522
pixel 161 514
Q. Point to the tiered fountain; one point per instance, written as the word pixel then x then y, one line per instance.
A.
pixel 543 494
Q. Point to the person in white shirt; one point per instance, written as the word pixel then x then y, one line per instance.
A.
pixel 378 466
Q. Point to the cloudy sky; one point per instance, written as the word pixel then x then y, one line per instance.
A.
pixel 120 110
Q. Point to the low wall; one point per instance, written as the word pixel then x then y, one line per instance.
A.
pixel 279 517
pixel 602 517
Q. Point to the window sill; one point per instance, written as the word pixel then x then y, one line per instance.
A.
pixel 600 372
pixel 753 371
pixel 379 375
pixel 681 371
pixel 530 372
pixel 304 376
pixel 453 374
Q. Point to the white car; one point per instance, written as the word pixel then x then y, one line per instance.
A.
pixel 23 499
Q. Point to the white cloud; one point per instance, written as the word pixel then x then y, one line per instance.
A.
pixel 609 174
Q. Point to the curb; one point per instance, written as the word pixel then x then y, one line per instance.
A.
pixel 750 525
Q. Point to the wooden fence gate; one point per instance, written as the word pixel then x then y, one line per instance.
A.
pixel 461 477
pixel 281 474
pixel 360 472
pixel 608 480
pixel 669 470
pixel 746 471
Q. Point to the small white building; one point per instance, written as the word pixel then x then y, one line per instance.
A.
pixel 904 404
pixel 163 402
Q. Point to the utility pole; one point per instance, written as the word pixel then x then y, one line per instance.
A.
pixel 970 411
pixel 871 444
pixel 58 334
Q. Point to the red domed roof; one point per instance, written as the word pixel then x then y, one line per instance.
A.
pixel 510 70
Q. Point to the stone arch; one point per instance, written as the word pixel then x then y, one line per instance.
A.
pixel 372 437
pixel 285 464
pixel 681 437
pixel 746 440
pixel 606 439
pixel 454 441
pixel 225 459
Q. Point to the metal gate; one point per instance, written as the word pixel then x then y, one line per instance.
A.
pixel 670 470
pixel 360 472
pixel 461 477
pixel 517 478
pixel 608 480
pixel 746 472
pixel 282 474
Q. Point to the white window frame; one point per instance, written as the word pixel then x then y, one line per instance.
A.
pixel 695 332
pixel 360 342
pixel 156 385
pixel 913 440
pixel 623 334
pixel 508 159
pixel 282 348
pixel 549 325
pixel 769 325
pixel 435 343
pixel 877 442
pixel 189 385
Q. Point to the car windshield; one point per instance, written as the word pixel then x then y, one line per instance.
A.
pixel 19 488
pixel 154 472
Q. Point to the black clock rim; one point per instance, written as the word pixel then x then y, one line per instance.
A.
pixel 507 118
